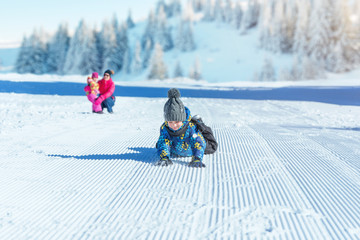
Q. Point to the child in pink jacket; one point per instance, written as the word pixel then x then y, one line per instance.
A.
pixel 92 92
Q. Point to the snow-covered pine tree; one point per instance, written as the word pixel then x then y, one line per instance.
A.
pixel 355 32
pixel 237 16
pixel 345 36
pixel 161 4
pixel 278 35
pixel 178 72
pixel 228 11
pixel 297 68
pixel 319 46
pixel 174 8
pixel 146 54
pixel 219 12
pixel 150 31
pixel 289 27
pixel 81 57
pixel 198 5
pixel 311 69
pixel 251 16
pixel 33 54
pixel 57 50
pixel 195 70
pixel 339 41
pixel 107 39
pixel 127 62
pixel 158 69
pixel 121 46
pixel 268 71
pixel 266 26
pixel 301 38
pixel 129 21
pixel 209 11
pixel 188 12
pixel 185 36
pixel 136 67
pixel 163 33
pixel 23 60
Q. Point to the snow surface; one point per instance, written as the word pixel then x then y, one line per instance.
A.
pixel 287 166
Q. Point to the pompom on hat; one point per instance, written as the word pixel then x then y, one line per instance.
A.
pixel 174 109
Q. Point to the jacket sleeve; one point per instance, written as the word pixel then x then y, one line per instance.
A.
pixel 109 92
pixel 197 141
pixel 164 143
pixel 87 90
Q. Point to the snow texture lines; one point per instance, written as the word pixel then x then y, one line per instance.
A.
pixel 87 176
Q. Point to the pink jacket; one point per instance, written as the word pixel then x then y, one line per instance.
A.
pixel 106 88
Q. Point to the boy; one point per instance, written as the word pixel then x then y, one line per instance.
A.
pixel 178 136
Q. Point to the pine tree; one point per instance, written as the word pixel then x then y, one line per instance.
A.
pixel 268 71
pixel 163 34
pixel 150 31
pixel 311 69
pixel 158 68
pixel 302 38
pixel 185 37
pixel 195 71
pixel 178 72
pixel 129 22
pixel 209 11
pixel 251 16
pixel 57 50
pixel 137 62
pixel 320 32
pixel 33 54
pixel 82 55
pixel 23 61
pixel 147 52
pixel 237 16
pixel 121 47
pixel 219 13
pixel 228 11
pixel 174 8
pixel 127 62
pixel 266 25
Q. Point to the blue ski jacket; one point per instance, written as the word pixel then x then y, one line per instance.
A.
pixel 184 142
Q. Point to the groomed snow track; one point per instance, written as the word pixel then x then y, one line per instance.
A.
pixel 280 173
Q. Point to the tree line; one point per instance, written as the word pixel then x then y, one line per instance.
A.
pixel 319 34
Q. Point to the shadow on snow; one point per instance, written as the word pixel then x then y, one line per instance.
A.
pixel 332 95
pixel 140 154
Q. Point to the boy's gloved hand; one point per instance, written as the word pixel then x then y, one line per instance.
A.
pixel 196 162
pixel 164 162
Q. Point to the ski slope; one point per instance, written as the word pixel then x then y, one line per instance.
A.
pixel 285 168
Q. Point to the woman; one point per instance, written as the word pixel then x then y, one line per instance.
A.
pixel 106 88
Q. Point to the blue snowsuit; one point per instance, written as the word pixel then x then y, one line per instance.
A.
pixel 189 144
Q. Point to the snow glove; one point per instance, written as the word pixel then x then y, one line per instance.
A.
pixel 99 100
pixel 164 162
pixel 197 163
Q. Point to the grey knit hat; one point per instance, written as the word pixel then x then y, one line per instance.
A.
pixel 174 109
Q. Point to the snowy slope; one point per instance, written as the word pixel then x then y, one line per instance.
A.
pixel 285 169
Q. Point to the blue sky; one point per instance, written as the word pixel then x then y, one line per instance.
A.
pixel 21 17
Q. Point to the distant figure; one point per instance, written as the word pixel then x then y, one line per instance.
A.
pixel 179 136
pixel 92 92
pixel 107 88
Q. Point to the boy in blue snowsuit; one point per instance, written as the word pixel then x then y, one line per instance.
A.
pixel 179 137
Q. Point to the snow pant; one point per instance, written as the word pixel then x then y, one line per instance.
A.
pixel 108 103
pixel 95 107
